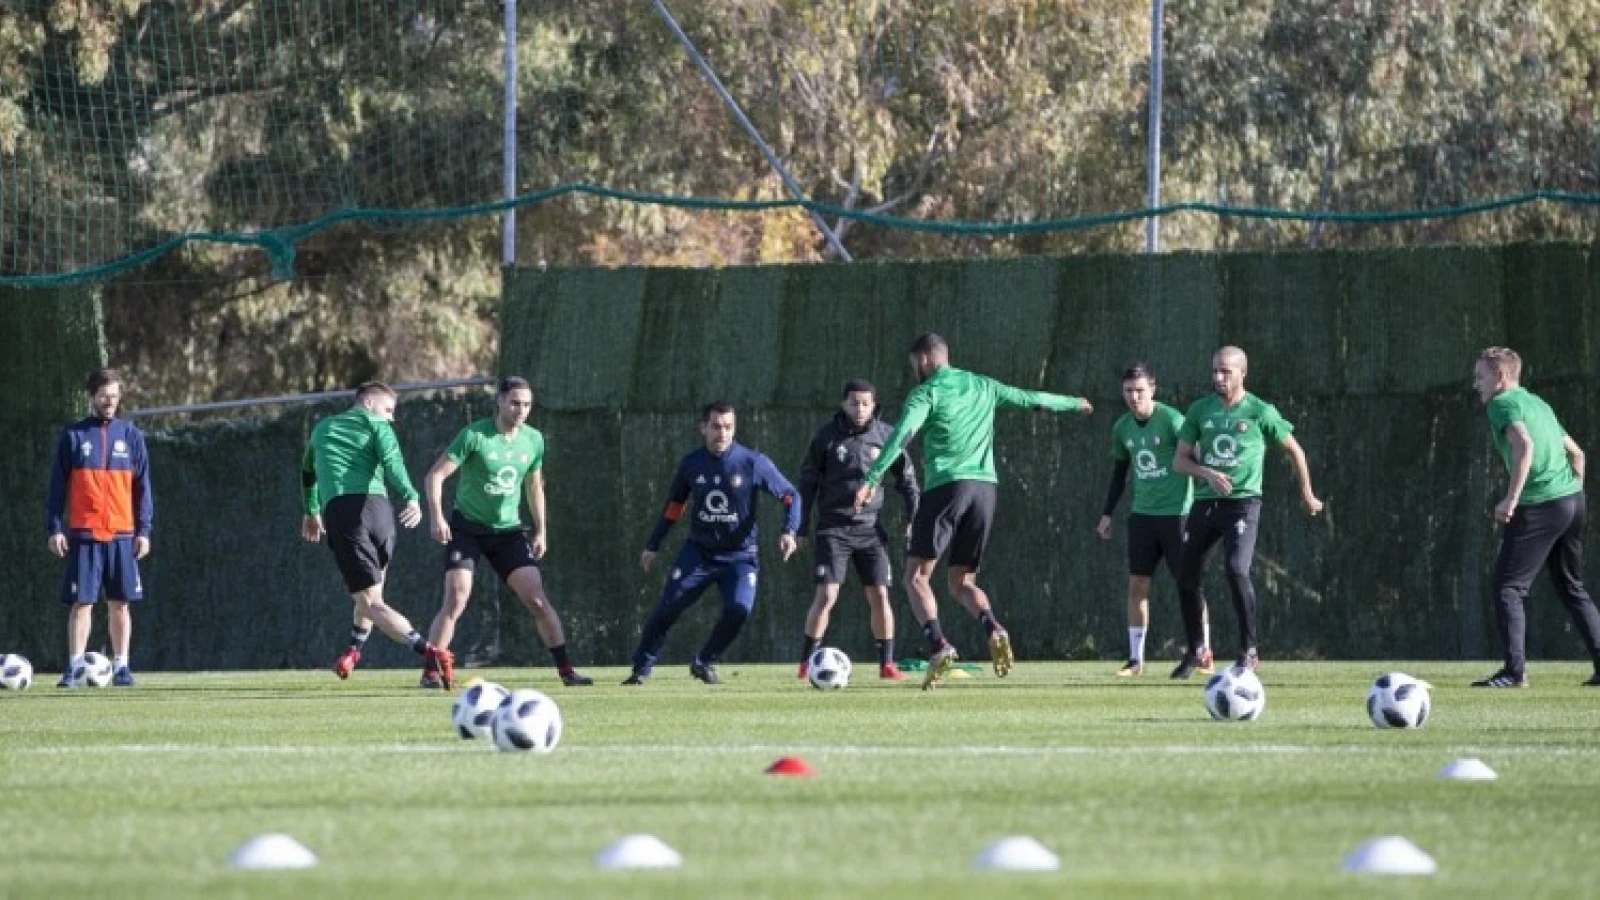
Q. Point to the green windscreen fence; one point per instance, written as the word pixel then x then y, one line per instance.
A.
pixel 49 342
pixel 1368 354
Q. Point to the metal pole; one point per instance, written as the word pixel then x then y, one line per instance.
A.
pixel 750 129
pixel 508 229
pixel 291 399
pixel 1152 225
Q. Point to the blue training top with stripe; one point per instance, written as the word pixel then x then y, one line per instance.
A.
pixel 718 494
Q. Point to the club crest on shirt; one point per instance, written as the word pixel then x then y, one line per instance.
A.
pixel 842 452
pixel 735 480
pixel 874 452
pixel 1243 427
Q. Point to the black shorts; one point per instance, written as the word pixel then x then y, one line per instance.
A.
pixel 506 551
pixel 360 532
pixel 865 546
pixel 955 516
pixel 1152 539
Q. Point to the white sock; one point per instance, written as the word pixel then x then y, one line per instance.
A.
pixel 1135 643
pixel 120 662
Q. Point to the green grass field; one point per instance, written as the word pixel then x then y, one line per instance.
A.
pixel 146 792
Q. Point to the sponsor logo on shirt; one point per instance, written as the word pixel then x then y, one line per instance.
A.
pixel 1147 466
pixel 503 484
pixel 715 510
pixel 1224 452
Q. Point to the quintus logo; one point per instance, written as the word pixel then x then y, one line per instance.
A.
pixel 504 483
pixel 715 510
pixel 1224 451
pixel 1147 466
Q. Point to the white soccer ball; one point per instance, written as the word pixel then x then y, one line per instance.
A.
pixel 527 721
pixel 93 670
pixel 475 707
pixel 828 669
pixel 1397 700
pixel 16 673
pixel 1235 695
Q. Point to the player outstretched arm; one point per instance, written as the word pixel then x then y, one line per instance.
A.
pixel 533 489
pixel 769 479
pixel 433 490
pixel 1014 396
pixel 1302 474
pixel 677 496
pixel 918 404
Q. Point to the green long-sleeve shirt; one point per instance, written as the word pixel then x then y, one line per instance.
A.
pixel 354 452
pixel 958 408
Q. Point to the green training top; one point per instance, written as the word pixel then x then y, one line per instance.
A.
pixel 352 453
pixel 493 465
pixel 958 407
pixel 1551 476
pixel 1158 488
pixel 1233 441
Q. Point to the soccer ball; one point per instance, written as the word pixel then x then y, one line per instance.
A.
pixel 1397 700
pixel 828 669
pixel 93 670
pixel 475 707
pixel 527 720
pixel 16 673
pixel 1235 695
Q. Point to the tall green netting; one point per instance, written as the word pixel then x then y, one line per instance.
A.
pixel 126 126
pixel 948 127
pixel 49 342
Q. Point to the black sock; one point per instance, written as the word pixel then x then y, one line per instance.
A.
pixel 358 637
pixel 563 664
pixel 930 630
pixel 987 620
pixel 417 643
pixel 885 651
pixel 809 647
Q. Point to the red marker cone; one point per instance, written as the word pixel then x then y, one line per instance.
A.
pixel 791 765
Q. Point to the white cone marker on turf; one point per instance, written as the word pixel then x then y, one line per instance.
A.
pixel 639 851
pixel 273 851
pixel 1017 854
pixel 1392 855
pixel 1468 769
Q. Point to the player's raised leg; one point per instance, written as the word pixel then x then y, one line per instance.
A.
pixel 370 604
pixel 964 585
